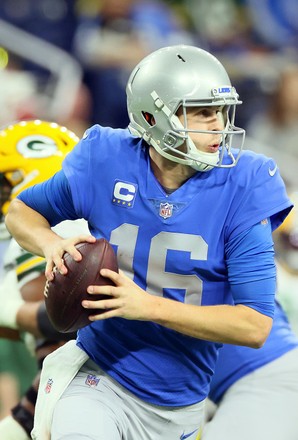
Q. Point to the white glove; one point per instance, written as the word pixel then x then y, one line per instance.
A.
pixel 10 300
pixel 11 430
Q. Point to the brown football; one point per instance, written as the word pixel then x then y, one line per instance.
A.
pixel 65 293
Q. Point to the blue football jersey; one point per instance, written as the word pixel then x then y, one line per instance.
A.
pixel 173 245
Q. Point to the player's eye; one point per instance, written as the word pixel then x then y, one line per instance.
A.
pixel 207 112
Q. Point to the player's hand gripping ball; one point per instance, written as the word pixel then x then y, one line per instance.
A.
pixel 65 293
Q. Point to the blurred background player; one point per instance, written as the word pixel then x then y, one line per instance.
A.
pixel 17 365
pixel 274 130
pixel 30 152
pixel 286 248
pixel 110 39
pixel 254 393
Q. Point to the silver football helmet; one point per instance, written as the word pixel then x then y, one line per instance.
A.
pixel 179 77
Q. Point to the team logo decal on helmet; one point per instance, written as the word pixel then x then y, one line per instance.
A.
pixel 37 146
pixel 30 153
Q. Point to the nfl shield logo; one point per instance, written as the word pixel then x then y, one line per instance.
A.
pixel 92 380
pixel 165 210
pixel 49 386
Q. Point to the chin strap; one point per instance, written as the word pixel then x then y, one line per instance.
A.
pixel 202 157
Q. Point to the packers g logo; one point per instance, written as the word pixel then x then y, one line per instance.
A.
pixel 37 146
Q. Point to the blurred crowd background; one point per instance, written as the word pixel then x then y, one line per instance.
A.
pixel 68 61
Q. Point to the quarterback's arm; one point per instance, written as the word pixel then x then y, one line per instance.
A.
pixel 240 325
pixel 252 279
pixel 32 214
pixel 33 232
pixel 30 229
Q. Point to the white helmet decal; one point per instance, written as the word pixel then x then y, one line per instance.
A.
pixel 37 146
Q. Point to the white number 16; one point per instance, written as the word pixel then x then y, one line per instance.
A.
pixel 125 237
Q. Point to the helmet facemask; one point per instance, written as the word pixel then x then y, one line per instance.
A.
pixel 176 143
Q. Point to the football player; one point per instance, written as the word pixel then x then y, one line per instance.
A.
pixel 191 220
pixel 286 248
pixel 30 152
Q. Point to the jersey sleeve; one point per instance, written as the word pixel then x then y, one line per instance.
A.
pixel 52 199
pixel 251 268
pixel 261 194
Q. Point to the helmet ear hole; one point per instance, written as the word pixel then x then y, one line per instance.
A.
pixel 149 118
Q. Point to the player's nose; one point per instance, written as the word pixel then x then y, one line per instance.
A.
pixel 216 124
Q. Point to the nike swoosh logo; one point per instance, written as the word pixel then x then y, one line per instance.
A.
pixel 272 172
pixel 184 436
